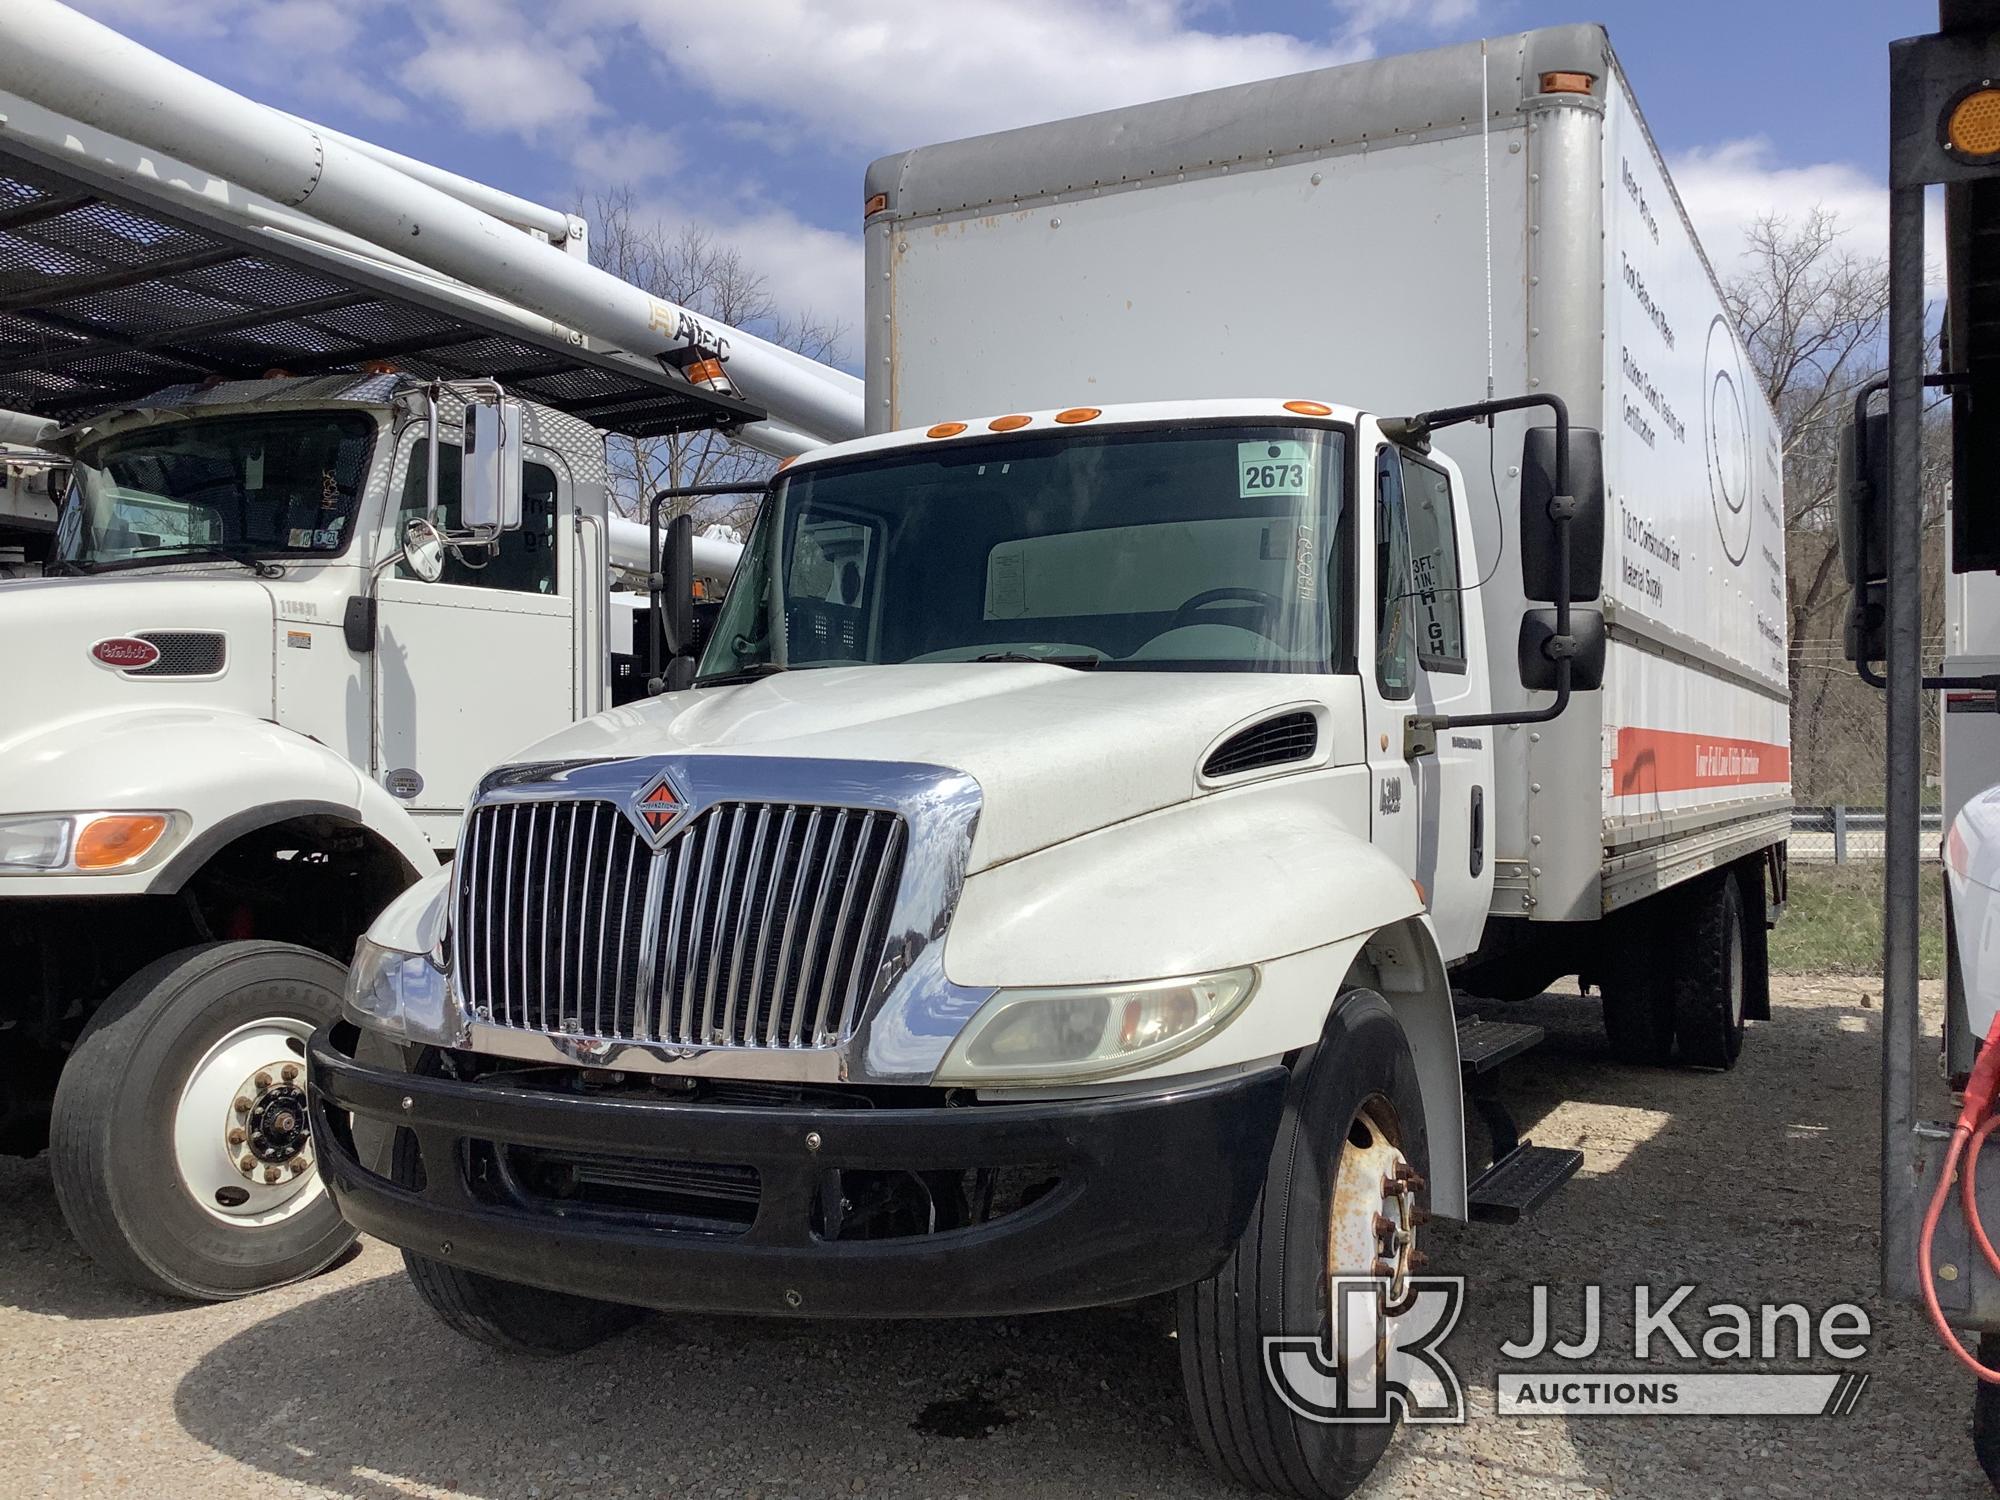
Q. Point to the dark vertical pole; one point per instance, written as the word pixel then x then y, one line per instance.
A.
pixel 1904 770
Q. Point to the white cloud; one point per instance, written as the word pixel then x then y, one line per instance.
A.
pixel 1363 18
pixel 624 156
pixel 1729 186
pixel 500 83
pixel 905 72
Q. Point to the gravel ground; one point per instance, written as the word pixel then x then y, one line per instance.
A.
pixel 1757 1184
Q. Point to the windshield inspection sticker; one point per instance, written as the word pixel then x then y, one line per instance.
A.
pixel 1277 467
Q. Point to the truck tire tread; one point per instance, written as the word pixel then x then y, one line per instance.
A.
pixel 1708 1034
pixel 1240 1423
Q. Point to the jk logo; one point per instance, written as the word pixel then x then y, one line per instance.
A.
pixel 1377 1358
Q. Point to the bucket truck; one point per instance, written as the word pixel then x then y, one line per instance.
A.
pixel 336 533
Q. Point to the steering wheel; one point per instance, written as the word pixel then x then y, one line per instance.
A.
pixel 1273 607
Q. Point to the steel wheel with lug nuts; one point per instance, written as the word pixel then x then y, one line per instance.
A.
pixel 1709 974
pixel 1343 1196
pixel 180 1144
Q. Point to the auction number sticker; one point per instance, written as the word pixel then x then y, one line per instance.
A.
pixel 1278 466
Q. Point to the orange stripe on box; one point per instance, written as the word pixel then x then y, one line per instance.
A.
pixel 1667 760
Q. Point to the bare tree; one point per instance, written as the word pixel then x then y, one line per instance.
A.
pixel 691 267
pixel 1813 315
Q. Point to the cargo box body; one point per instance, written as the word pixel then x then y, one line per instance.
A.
pixel 1401 234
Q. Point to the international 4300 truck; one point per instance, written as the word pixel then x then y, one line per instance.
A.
pixel 1319 547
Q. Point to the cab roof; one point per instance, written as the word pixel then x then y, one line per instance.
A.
pixel 1305 412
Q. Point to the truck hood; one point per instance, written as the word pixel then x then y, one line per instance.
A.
pixel 50 624
pixel 1056 752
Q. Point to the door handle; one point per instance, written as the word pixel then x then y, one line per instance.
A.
pixel 1478 830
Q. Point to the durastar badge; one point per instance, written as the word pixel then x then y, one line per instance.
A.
pixel 658 805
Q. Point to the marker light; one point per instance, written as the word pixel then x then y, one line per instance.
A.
pixel 1079 414
pixel 117 839
pixel 1973 126
pixel 1008 424
pixel 1566 83
pixel 876 203
pixel 1309 408
pixel 946 429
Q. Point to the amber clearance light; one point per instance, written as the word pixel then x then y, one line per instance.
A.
pixel 1309 408
pixel 1566 83
pixel 946 429
pixel 118 839
pixel 1008 423
pixel 1972 128
pixel 1079 414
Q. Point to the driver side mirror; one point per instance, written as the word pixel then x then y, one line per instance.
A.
pixel 1861 495
pixel 490 480
pixel 1541 567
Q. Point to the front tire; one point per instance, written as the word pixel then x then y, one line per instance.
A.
pixel 1353 1097
pixel 179 1142
pixel 510 1317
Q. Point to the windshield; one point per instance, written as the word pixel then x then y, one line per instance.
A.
pixel 1191 549
pixel 272 485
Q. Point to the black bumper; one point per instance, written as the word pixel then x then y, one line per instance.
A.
pixel 1150 1193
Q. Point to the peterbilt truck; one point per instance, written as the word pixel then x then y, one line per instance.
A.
pixel 244 708
pixel 1050 885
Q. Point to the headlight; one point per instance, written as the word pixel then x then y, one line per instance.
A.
pixel 401 992
pixel 1036 1036
pixel 86 842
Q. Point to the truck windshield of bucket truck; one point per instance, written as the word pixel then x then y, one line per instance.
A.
pixel 271 485
pixel 1192 548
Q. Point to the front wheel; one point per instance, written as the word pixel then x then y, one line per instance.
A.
pixel 510 1317
pixel 180 1145
pixel 1341 1198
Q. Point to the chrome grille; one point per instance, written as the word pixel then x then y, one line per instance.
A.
pixel 757 925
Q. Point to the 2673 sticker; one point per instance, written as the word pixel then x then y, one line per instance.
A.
pixel 1276 467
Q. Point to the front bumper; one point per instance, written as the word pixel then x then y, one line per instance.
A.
pixel 1150 1192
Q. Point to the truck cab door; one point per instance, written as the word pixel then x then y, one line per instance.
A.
pixel 1432 814
pixel 481 662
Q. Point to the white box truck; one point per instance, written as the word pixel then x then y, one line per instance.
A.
pixel 1047 889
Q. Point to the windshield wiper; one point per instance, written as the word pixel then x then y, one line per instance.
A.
pixel 1080 663
pixel 235 554
pixel 67 567
pixel 750 673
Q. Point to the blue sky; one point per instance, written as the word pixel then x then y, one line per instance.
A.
pixel 756 118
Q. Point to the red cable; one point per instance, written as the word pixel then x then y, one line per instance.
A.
pixel 1969 1191
pixel 1973 1126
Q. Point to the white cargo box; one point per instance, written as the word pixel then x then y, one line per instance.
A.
pixel 1334 236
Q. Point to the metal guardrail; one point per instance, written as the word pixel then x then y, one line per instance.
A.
pixel 1841 833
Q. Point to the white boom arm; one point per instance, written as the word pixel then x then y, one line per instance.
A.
pixel 22 428
pixel 76 67
pixel 713 557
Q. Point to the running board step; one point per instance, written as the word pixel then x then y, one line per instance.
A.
pixel 1484 1044
pixel 1521 1182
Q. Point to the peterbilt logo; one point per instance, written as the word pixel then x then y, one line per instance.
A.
pixel 657 807
pixel 126 653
